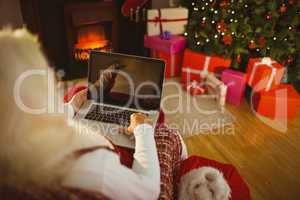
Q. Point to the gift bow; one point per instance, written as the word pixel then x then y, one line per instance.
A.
pixel 158 21
pixel 268 62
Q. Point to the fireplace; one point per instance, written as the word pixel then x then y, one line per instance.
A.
pixel 90 26
pixel 69 29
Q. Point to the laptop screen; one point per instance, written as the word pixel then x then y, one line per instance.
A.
pixel 127 81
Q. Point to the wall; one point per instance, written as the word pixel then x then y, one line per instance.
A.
pixel 10 13
pixel 163 3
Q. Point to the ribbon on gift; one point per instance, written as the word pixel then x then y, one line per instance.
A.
pixel 203 72
pixel 158 21
pixel 268 62
pixel 206 65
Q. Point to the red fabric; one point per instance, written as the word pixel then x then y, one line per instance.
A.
pixel 239 188
pixel 72 91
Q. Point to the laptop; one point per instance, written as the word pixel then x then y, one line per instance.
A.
pixel 120 85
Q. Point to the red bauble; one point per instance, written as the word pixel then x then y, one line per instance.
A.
pixel 262 41
pixel 291 2
pixel 202 23
pixel 224 3
pixel 221 27
pixel 252 45
pixel 239 59
pixel 269 16
pixel 227 39
pixel 290 60
pixel 282 8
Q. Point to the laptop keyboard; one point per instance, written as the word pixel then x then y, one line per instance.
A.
pixel 109 115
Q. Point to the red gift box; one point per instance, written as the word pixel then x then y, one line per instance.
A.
pixel 196 65
pixel 280 102
pixel 173 62
pixel 264 73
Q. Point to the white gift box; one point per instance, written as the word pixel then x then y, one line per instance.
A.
pixel 172 20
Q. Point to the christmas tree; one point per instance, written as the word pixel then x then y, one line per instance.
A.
pixel 239 29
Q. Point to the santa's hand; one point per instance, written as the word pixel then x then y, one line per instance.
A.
pixel 137 119
pixel 79 99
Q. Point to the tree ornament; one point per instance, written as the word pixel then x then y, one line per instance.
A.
pixel 291 2
pixel 269 16
pixel 227 39
pixel 252 45
pixel 262 41
pixel 224 4
pixel 221 27
pixel 238 58
pixel 282 8
pixel 290 60
pixel 203 22
pixel 166 35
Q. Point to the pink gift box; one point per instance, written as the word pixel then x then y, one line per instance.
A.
pixel 171 51
pixel 174 45
pixel 236 83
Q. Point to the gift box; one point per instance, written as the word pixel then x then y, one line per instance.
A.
pixel 196 65
pixel 280 102
pixel 171 51
pixel 236 82
pixel 172 61
pixel 173 20
pixel 264 73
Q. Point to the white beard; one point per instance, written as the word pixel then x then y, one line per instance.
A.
pixel 205 183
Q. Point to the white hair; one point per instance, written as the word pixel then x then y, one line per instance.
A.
pixel 205 183
pixel 28 142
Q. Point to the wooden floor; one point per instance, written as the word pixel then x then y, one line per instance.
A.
pixel 268 160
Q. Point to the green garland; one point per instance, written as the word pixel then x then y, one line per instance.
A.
pixel 239 29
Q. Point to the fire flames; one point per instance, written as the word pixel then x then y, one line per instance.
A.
pixel 89 38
